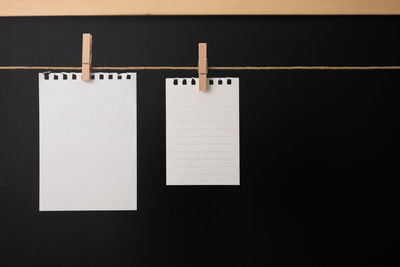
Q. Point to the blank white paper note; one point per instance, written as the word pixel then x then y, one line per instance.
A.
pixel 202 132
pixel 87 142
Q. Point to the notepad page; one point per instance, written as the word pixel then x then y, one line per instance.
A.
pixel 87 142
pixel 202 132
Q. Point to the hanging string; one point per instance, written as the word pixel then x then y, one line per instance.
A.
pixel 210 68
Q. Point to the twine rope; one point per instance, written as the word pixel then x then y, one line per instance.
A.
pixel 210 68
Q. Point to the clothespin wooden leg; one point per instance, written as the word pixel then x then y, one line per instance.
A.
pixel 86 56
pixel 203 67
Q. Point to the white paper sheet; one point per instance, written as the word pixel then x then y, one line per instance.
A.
pixel 202 132
pixel 87 142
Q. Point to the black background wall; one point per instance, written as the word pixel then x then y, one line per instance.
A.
pixel 319 162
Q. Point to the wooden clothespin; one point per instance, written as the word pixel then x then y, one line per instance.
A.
pixel 86 56
pixel 203 67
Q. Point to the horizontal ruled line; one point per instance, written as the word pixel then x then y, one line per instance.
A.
pixel 202 127
pixel 195 173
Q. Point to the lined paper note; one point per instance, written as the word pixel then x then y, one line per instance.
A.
pixel 202 132
pixel 87 142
